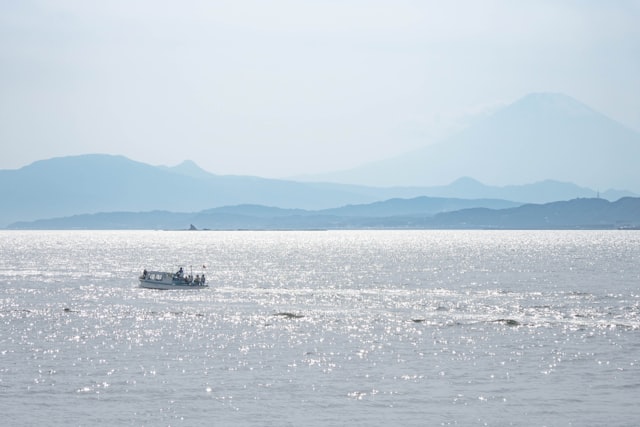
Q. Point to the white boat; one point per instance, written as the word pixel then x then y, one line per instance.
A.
pixel 164 280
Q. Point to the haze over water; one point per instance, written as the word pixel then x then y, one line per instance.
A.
pixel 321 328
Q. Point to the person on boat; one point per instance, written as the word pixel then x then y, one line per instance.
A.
pixel 180 272
pixel 202 279
pixel 197 278
pixel 144 274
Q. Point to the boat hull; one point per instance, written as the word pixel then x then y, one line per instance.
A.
pixel 151 284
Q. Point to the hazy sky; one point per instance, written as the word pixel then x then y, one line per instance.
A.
pixel 279 88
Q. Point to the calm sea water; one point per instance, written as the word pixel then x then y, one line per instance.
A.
pixel 351 328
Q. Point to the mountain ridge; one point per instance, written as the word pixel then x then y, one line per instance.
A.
pixel 538 137
pixel 582 213
pixel 96 183
pixel 556 148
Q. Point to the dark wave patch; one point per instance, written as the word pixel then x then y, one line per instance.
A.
pixel 289 315
pixel 508 322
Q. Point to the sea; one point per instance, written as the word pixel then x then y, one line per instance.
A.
pixel 321 328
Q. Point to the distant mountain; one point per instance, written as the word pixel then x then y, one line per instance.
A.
pixel 104 183
pixel 573 214
pixel 418 213
pixel 67 186
pixel 419 206
pixel 539 192
pixel 188 168
pixel 260 217
pixel 538 138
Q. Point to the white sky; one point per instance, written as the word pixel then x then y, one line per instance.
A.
pixel 279 88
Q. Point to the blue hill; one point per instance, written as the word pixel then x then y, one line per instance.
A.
pixel 418 213
pixel 91 184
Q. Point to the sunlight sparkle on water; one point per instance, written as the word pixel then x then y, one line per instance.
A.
pixel 471 325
